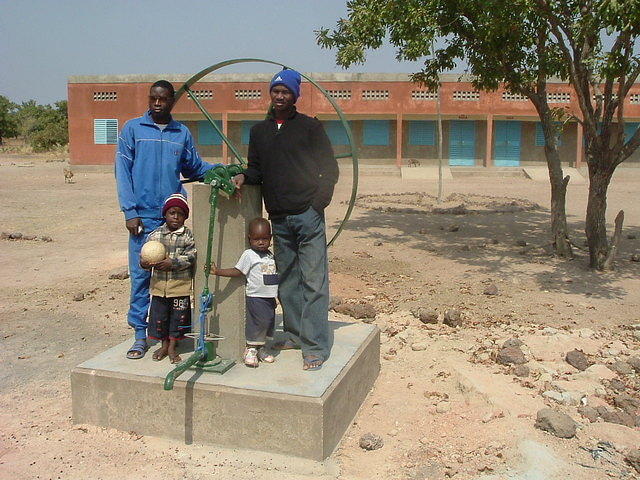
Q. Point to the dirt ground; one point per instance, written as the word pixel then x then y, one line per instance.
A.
pixel 443 405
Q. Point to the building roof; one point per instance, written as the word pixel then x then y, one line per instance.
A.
pixel 266 77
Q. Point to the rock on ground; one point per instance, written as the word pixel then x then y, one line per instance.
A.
pixel 356 310
pixel 452 318
pixel 371 441
pixel 577 359
pixel 120 273
pixel 635 363
pixel 425 314
pixel 619 417
pixel 520 371
pixel 510 356
pixel 556 423
pixel 589 413
pixel 633 458
pixel 621 367
pixel 491 289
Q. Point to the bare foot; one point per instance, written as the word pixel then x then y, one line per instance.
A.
pixel 159 354
pixel 173 355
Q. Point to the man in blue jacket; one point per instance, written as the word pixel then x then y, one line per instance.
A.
pixel 153 150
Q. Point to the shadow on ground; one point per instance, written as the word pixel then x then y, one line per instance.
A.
pixel 493 242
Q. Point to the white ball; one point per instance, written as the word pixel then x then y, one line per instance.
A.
pixel 153 252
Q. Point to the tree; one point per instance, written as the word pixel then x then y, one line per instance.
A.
pixel 52 127
pixel 8 122
pixel 602 79
pixel 43 126
pixel 517 43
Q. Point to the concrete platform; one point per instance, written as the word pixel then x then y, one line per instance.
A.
pixel 276 408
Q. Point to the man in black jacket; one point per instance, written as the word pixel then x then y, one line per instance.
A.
pixel 291 157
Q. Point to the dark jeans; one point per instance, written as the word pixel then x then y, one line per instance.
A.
pixel 300 250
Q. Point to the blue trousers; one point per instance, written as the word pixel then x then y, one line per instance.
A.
pixel 139 299
pixel 300 250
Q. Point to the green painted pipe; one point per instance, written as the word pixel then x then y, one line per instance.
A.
pixel 180 369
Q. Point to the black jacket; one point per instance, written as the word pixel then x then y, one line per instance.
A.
pixel 295 164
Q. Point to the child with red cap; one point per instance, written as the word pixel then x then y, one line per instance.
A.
pixel 171 279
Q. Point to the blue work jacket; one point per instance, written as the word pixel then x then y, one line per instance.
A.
pixel 149 162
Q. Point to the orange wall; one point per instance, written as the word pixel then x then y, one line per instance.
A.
pixel 132 102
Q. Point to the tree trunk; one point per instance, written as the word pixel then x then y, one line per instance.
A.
pixel 596 228
pixel 559 233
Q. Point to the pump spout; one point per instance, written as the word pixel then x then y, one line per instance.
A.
pixel 196 356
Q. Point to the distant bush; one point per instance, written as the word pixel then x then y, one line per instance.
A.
pixel 43 127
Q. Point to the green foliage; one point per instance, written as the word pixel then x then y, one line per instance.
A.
pixel 521 43
pixel 43 127
pixel 8 121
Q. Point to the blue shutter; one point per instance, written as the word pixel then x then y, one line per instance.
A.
pixel 422 132
pixel 246 130
pixel 336 132
pixel 207 135
pixel 506 141
pixel 105 131
pixel 375 132
pixel 540 136
pixel 462 143
pixel 629 129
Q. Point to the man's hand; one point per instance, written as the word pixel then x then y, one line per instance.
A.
pixel 135 226
pixel 164 266
pixel 146 265
pixel 238 181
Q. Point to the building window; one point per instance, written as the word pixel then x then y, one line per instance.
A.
pixel 559 97
pixel 202 94
pixel 513 97
pixel 467 95
pixel 422 132
pixel 248 94
pixel 340 94
pixel 246 130
pixel 375 94
pixel 424 95
pixel 629 130
pixel 105 96
pixel 375 132
pixel 336 132
pixel 207 135
pixel 634 98
pixel 105 131
pixel 540 135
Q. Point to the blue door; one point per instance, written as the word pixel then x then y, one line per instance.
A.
pixel 462 143
pixel 506 144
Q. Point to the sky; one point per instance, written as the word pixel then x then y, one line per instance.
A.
pixel 43 42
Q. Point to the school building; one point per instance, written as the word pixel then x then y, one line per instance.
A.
pixel 393 120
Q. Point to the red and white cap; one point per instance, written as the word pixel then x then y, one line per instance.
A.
pixel 176 200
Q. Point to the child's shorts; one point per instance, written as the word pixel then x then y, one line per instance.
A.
pixel 261 319
pixel 169 317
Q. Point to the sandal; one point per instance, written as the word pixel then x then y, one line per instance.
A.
pixel 138 349
pixel 265 356
pixel 312 362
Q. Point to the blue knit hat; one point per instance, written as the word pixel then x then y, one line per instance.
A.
pixel 290 79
